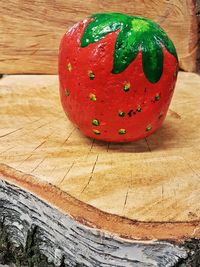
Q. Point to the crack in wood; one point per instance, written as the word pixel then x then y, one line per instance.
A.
pixel 63 143
pixel 47 123
pixel 4 135
pixel 162 191
pixel 37 165
pixel 67 173
pixel 90 178
pixel 41 144
pixel 125 201
pixel 32 152
pixel 91 147
pixel 24 160
pixel 67 138
pixel 24 127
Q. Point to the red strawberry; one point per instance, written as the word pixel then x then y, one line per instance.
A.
pixel 117 76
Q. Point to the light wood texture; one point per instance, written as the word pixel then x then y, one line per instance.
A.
pixel 31 30
pixel 154 181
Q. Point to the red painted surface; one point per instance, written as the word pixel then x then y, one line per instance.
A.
pixel 75 65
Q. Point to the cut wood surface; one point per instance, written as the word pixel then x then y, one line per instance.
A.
pixel 147 189
pixel 31 30
pixel 30 229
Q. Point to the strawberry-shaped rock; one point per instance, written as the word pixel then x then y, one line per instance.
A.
pixel 117 76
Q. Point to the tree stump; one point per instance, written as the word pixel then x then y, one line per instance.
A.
pixel 67 200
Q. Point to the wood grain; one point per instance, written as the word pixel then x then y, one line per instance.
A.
pixel 153 181
pixel 31 30
pixel 198 22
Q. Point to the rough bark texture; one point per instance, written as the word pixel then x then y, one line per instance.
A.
pixel 35 234
pixel 193 259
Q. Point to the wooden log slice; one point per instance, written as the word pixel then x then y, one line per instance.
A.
pixel 138 193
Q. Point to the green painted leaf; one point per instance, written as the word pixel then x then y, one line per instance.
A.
pixel 101 25
pixel 126 50
pixel 152 59
pixel 135 34
pixel 168 44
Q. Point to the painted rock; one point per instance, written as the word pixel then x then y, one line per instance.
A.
pixel 117 76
